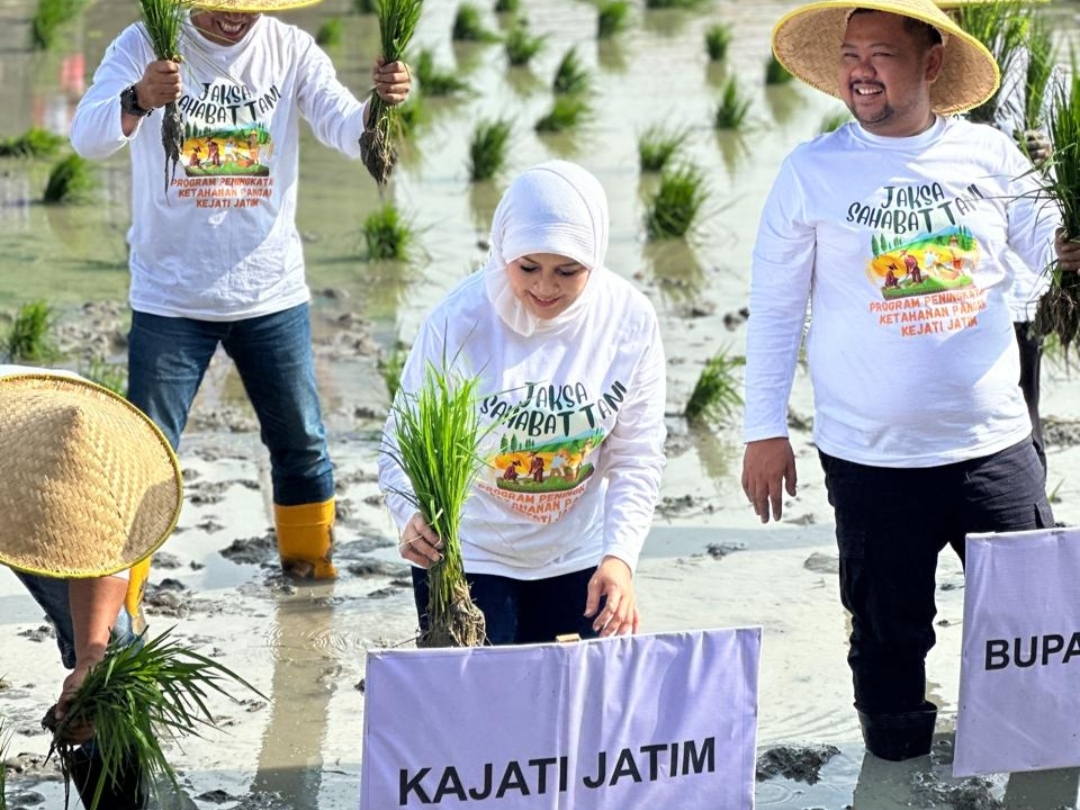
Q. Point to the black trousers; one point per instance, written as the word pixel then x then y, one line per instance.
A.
pixel 891 524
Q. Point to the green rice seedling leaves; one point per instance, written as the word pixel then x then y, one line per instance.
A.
pixel 657 145
pixel 30 337
pixel 397 24
pixel 671 211
pixel 775 73
pixel 716 393
pixel 611 18
pixel 571 76
pixel 1058 311
pixel 70 181
pixel 387 235
pixel 163 20
pixel 107 375
pixel 717 41
pixel 48 17
pixel 487 152
pixel 1002 28
pixel 506 6
pixel 433 81
pixel 33 143
pixel 734 106
pixel 139 692
pixel 521 45
pixel 437 435
pixel 391 366
pixel 331 32
pixel 1042 59
pixel 468 26
pixel 567 113
pixel 364 6
pixel 833 121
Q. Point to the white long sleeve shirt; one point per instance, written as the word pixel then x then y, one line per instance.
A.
pixel 571 472
pixel 218 240
pixel 898 244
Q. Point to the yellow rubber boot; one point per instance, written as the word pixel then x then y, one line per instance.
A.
pixel 305 536
pixel 137 577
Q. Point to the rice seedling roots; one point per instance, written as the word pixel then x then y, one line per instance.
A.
pixel 378 152
pixel 172 138
pixel 461 623
pixel 1058 312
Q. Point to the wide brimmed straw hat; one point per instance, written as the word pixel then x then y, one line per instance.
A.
pixel 807 42
pixel 958 3
pixel 251 6
pixel 89 485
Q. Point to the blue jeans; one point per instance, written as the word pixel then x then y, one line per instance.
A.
pixel 52 595
pixel 522 611
pixel 167 358
pixel 891 524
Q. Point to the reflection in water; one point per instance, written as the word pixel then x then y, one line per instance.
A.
pixel 716 73
pixel 483 200
pixel 611 55
pixel 523 81
pixel 718 458
pixel 666 22
pixel 785 101
pixel 734 150
pixel 567 144
pixel 677 270
pixel 290 760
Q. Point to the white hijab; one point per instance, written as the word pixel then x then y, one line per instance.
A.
pixel 555 207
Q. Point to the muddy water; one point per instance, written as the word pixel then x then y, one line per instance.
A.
pixel 310 640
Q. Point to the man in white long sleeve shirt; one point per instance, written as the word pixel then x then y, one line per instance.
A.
pixel 216 257
pixel 894 227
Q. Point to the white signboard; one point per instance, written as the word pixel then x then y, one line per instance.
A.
pixel 1019 701
pixel 652 721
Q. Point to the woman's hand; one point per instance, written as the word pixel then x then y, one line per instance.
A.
pixel 1068 251
pixel 419 544
pixel 614 582
pixel 392 80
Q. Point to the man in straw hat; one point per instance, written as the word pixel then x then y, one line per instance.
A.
pixel 90 489
pixel 216 258
pixel 920 425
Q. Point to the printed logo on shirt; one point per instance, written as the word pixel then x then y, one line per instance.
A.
pixel 545 441
pixel 228 152
pixel 924 259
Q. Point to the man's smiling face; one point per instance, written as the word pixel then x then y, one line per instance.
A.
pixel 887 67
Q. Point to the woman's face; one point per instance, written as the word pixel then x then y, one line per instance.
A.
pixel 547 283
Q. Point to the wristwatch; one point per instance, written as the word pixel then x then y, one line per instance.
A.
pixel 129 103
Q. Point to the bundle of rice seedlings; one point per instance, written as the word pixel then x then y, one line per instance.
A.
pixel 137 693
pixel 487 152
pixel 29 339
pixel 717 41
pixel 35 142
pixel 1042 60
pixel 716 393
pixel 387 234
pixel 611 18
pixel 733 108
pixel 397 24
pixel 391 366
pixel 571 76
pixel 70 181
pixel 1002 28
pixel 163 20
pixel 330 33
pixel 776 73
pixel 433 81
pixel 657 145
pixel 1058 311
pixel 437 432
pixel 567 113
pixel 670 212
pixel 506 6
pixel 468 26
pixel 106 374
pixel 521 45
pixel 833 121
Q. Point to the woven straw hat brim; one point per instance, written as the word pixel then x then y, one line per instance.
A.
pixel 251 6
pixel 959 3
pixel 807 42
pixel 89 487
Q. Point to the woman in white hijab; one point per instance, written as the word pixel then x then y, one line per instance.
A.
pixel 572 377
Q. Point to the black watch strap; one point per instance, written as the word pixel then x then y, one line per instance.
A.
pixel 129 103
